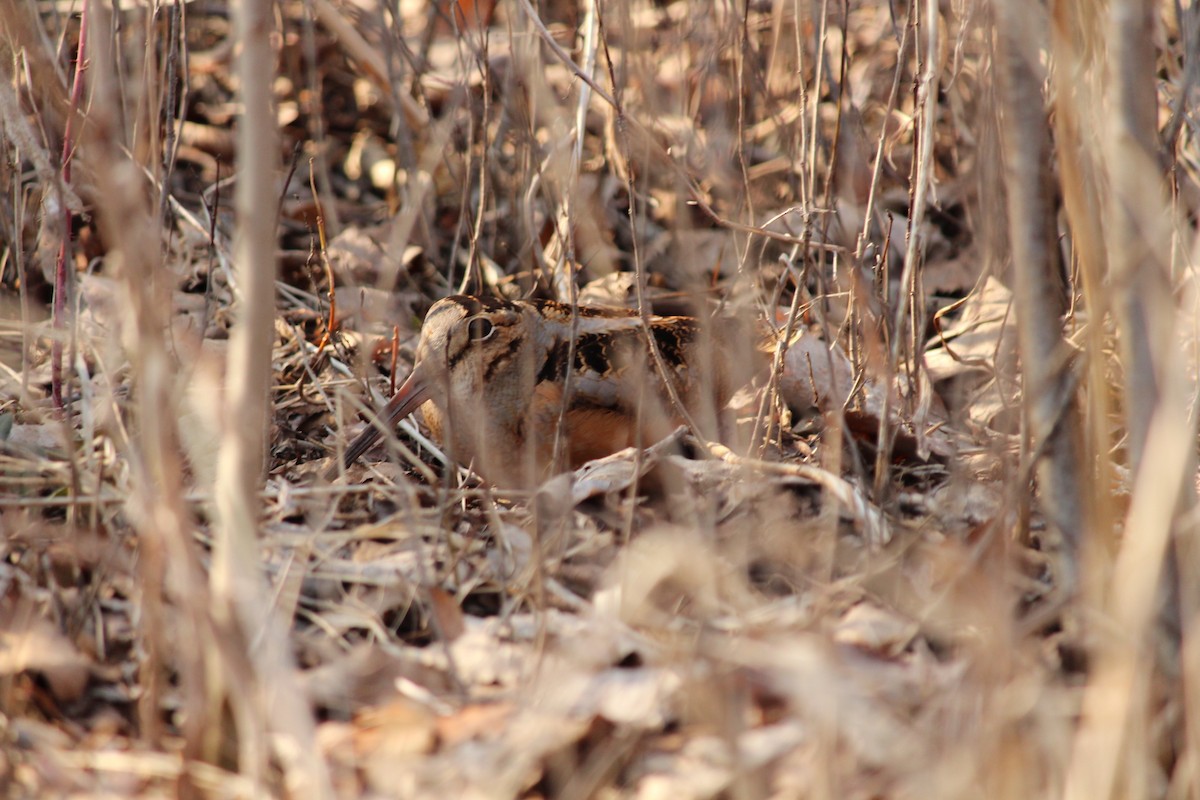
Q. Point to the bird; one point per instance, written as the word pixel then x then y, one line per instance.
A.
pixel 499 382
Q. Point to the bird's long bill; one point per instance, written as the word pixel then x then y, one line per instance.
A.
pixel 407 399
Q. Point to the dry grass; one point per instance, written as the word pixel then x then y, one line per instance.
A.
pixel 863 595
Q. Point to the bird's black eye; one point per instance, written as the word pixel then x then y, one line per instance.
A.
pixel 480 329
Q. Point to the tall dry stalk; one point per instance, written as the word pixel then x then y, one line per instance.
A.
pixel 1119 746
pixel 1050 403
pixel 270 705
pixel 1075 33
pixel 172 602
pixel 274 704
pixel 1137 230
pixel 62 278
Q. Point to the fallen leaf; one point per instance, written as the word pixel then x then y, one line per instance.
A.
pixel 43 650
pixel 984 334
pixel 871 628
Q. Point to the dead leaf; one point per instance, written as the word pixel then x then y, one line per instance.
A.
pixel 447 614
pixel 820 375
pixel 663 578
pixel 984 334
pixel 386 737
pixel 41 649
pixel 39 438
pixel 359 255
pixel 643 698
pixel 617 289
pixel 473 722
pixel 617 472
pixel 815 374
pixel 364 676
pixel 873 629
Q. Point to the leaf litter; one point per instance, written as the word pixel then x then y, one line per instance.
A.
pixel 811 616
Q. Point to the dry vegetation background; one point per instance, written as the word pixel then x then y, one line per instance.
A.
pixel 953 554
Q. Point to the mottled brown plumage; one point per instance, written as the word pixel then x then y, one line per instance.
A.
pixel 492 378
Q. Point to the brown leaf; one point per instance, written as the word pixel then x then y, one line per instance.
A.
pixel 473 722
pixel 815 374
pixel 874 629
pixel 42 649
pixel 984 334
pixel 386 737
pixel 447 614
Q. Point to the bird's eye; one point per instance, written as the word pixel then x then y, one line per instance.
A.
pixel 480 329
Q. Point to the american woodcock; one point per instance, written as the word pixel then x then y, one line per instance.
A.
pixel 493 379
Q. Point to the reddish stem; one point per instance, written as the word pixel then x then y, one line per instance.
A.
pixel 64 250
